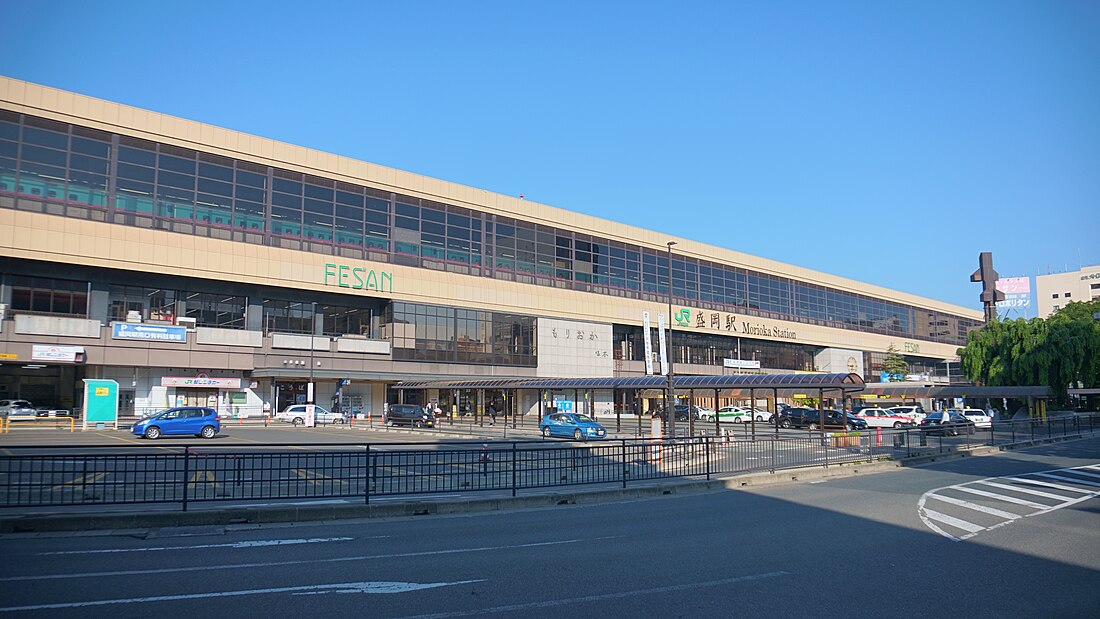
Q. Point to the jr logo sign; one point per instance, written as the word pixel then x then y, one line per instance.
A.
pixel 683 318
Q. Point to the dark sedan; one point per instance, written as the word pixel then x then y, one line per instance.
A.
pixel 683 413
pixel 946 424
pixel 812 419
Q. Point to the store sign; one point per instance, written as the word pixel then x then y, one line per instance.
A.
pixel 729 323
pixel 742 364
pixel 200 381
pixel 1017 291
pixel 44 352
pixel 139 331
pixel 357 278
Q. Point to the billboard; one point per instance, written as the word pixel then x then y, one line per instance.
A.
pixel 1017 292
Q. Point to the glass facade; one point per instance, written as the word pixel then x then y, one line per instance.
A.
pixel 79 172
pixel 451 335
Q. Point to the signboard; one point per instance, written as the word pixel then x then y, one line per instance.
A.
pixel 664 346
pixel 648 344
pixel 49 352
pixel 311 415
pixel 8 355
pixel 139 331
pixel 744 364
pixel 1017 292
pixel 100 402
pixel 200 381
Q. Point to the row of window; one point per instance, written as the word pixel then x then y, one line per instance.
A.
pixel 166 186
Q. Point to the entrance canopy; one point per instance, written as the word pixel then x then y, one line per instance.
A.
pixel 786 383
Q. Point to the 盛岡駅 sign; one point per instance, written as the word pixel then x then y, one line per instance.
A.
pixel 357 278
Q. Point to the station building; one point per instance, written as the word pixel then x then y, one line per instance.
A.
pixel 199 265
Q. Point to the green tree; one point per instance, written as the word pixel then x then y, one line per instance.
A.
pixel 895 364
pixel 1059 352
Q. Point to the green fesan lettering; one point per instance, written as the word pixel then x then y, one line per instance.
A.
pixel 359 278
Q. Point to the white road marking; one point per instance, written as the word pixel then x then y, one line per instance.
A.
pixel 1000 497
pixel 1076 481
pixel 934 519
pixel 234 566
pixel 981 508
pixel 969 527
pixel 1086 474
pixel 344 587
pixel 1047 495
pixel 1047 484
pixel 245 544
pixel 587 599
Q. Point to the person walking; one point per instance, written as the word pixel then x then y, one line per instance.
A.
pixel 492 413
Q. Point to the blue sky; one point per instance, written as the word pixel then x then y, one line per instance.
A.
pixel 888 142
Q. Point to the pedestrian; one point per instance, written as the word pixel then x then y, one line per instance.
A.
pixel 492 413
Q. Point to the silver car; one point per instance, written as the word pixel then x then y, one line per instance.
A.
pixel 17 409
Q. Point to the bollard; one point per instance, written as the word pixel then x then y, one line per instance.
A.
pixel 878 437
pixel 484 459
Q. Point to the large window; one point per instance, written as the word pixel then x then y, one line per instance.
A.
pixel 64 169
pixel 155 304
pixel 216 310
pixel 44 295
pixel 433 333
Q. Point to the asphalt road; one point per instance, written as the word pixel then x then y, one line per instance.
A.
pixel 920 541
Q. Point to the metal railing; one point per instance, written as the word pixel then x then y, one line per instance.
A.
pixel 29 477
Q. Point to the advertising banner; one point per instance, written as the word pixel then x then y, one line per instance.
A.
pixel 1017 292
pixel 661 339
pixel 648 344
pixel 48 352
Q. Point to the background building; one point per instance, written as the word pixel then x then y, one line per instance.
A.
pixel 1057 290
pixel 195 264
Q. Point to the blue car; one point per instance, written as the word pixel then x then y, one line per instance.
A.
pixel 194 420
pixel 572 425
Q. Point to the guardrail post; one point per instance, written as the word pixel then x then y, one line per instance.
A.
pixel 773 441
pixel 622 443
pixel 706 452
pixel 186 471
pixel 513 468
pixel 370 477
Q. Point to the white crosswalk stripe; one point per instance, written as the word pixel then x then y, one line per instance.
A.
pixel 959 519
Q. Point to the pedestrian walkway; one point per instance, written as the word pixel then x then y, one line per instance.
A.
pixel 962 511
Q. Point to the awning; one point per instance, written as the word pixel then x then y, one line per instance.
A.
pixel 741 382
pixel 924 390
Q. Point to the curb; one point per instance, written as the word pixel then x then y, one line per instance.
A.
pixel 295 514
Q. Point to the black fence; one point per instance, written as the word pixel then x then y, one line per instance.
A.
pixel 87 476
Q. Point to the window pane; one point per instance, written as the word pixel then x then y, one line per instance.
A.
pixel 41 137
pixel 95 148
pixel 175 164
pixel 135 155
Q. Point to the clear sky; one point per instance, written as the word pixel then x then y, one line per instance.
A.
pixel 888 142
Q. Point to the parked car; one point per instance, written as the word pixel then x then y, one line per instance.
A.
pixel 946 423
pixel 811 419
pixel 916 413
pixel 577 426
pixel 193 420
pixel 683 413
pixel 296 414
pixel 45 411
pixel 740 414
pixel 982 420
pixel 409 415
pixel 883 418
pixel 14 410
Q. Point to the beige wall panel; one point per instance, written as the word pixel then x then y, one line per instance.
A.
pixel 209 360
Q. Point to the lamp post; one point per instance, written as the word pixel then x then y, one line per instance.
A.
pixel 670 409
pixel 312 334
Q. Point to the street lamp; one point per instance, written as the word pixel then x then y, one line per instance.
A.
pixel 670 410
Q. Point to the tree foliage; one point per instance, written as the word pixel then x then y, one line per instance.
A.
pixel 894 363
pixel 1062 351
